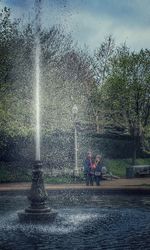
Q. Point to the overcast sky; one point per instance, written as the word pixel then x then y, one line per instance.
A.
pixel 90 21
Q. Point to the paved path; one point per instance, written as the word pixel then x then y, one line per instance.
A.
pixel 130 184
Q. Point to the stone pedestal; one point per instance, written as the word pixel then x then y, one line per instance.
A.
pixel 38 211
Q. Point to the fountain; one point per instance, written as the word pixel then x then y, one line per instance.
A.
pixel 86 219
pixel 38 210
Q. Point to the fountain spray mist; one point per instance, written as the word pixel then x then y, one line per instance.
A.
pixel 38 211
pixel 37 76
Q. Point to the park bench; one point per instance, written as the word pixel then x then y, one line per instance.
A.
pixel 141 170
pixel 138 171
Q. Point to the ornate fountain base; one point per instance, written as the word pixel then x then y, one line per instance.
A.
pixel 38 212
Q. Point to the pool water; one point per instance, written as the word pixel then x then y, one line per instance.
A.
pixel 84 221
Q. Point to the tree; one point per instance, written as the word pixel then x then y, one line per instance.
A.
pixel 101 66
pixel 102 60
pixel 126 94
pixel 66 78
pixel 67 82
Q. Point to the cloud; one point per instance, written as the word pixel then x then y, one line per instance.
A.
pixel 129 11
pixel 92 29
pixel 2 4
pixel 19 8
pixel 90 22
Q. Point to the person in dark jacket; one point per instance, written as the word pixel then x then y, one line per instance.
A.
pixel 98 169
pixel 88 172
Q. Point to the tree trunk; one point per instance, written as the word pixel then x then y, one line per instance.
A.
pixel 134 151
pixel 136 144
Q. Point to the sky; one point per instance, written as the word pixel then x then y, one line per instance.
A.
pixel 90 21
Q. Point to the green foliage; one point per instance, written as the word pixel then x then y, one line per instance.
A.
pixel 143 161
pixel 11 173
pixel 127 90
pixel 126 95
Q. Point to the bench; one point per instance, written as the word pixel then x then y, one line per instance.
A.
pixel 141 170
pixel 137 171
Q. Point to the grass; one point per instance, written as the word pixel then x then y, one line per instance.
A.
pixel 64 179
pixel 9 173
pixel 117 167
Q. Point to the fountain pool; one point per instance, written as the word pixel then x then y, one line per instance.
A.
pixel 84 221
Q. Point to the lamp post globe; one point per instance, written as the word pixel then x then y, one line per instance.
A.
pixel 75 111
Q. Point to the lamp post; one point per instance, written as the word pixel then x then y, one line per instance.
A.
pixel 75 113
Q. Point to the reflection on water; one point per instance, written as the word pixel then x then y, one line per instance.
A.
pixel 83 222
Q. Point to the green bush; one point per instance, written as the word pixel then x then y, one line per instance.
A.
pixel 10 173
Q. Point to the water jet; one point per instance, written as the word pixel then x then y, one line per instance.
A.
pixel 38 211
